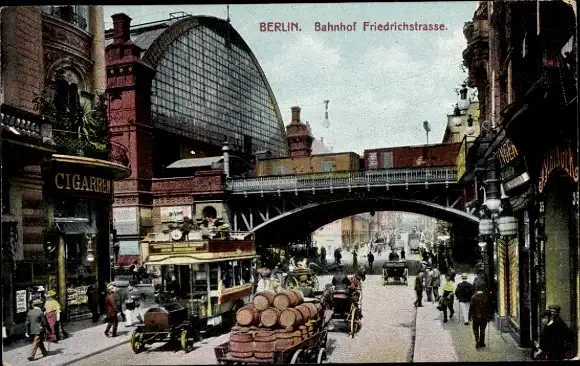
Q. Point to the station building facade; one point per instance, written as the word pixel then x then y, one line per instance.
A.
pixel 177 90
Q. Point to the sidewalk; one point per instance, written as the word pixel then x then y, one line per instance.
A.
pixel 81 344
pixel 454 341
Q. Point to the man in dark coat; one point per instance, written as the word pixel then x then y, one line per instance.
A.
pixel 340 280
pixel 37 326
pixel 479 315
pixel 480 281
pixel 419 285
pixel 552 339
pixel 111 311
pixel 464 291
pixel 323 255
pixel 371 259
pixel 93 302
pixel 337 256
pixel 564 338
pixel 403 254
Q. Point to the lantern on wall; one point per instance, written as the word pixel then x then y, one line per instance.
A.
pixel 486 226
pixel 463 102
pixel 455 121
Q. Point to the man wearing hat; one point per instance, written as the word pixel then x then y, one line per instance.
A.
pixel 36 326
pixel 464 291
pixel 111 311
pixel 564 336
pixel 340 280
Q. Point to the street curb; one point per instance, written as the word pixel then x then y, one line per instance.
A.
pixel 411 355
pixel 94 353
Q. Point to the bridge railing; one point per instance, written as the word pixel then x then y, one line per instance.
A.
pixel 344 179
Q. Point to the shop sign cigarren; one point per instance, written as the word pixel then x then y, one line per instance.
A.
pixel 559 157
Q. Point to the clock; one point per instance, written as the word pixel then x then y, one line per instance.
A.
pixel 176 235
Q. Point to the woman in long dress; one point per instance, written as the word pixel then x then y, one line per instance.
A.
pixel 52 312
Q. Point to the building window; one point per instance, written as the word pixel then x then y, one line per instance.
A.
pixel 387 160
pixel 77 14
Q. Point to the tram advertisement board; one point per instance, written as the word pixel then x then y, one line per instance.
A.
pixel 178 248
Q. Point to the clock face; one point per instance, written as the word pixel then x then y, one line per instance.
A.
pixel 176 234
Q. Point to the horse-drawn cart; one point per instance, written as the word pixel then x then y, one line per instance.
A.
pixel 309 350
pixel 397 270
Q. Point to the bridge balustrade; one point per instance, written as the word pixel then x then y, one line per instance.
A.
pixel 344 179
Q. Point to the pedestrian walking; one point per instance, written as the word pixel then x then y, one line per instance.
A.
pixel 464 292
pixel 354 259
pixel 52 313
pixel 479 281
pixel 371 259
pixel 446 300
pixel 323 255
pixel 429 284
pixel 419 286
pixel 37 326
pixel 564 344
pixel 479 315
pixel 93 302
pixel 403 254
pixel 337 256
pixel 435 282
pixel 111 310
pixel 120 297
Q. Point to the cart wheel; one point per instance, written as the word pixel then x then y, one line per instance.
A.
pixel 136 341
pixel 186 341
pixel 297 357
pixel 353 321
pixel 315 284
pixel 291 283
pixel 321 356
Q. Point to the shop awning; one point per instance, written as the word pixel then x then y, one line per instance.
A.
pixel 157 260
pixel 195 162
pixel 75 228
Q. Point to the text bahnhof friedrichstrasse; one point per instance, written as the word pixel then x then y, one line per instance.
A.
pixel 353 27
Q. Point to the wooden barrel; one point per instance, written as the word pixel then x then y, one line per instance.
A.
pixel 290 318
pixel 284 339
pixel 269 317
pixel 264 344
pixel 304 311
pixel 313 310
pixel 264 299
pixel 285 300
pixel 247 316
pixel 297 336
pixel 241 345
pixel 300 295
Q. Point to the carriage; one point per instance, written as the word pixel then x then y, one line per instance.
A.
pixel 301 277
pixel 346 307
pixel 396 270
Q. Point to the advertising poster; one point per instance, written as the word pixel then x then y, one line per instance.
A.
pixel 21 301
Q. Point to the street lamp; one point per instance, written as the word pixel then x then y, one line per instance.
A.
pixel 463 102
pixel 326 122
pixel 427 128
pixel 470 130
pixel 455 121
pixel 90 255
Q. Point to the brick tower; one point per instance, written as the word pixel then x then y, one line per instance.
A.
pixel 128 92
pixel 299 136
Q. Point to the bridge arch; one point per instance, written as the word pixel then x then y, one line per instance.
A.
pixel 304 220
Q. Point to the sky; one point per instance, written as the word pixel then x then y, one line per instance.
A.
pixel 381 86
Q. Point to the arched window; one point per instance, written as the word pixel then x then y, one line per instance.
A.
pixel 209 212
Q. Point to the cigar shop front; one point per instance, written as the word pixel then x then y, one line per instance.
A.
pixel 77 241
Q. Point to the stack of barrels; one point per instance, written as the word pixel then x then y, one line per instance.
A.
pixel 273 322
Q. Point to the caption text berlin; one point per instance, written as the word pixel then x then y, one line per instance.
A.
pixel 353 27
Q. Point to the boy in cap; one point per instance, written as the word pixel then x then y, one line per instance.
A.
pixel 111 310
pixel 37 327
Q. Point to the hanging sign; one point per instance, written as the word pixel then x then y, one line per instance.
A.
pixel 559 157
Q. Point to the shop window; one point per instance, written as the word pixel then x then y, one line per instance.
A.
pixel 213 276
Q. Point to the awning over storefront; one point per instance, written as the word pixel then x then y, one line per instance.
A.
pixel 75 228
pixel 156 260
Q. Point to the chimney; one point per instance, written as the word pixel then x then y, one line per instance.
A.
pixel 295 115
pixel 122 28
